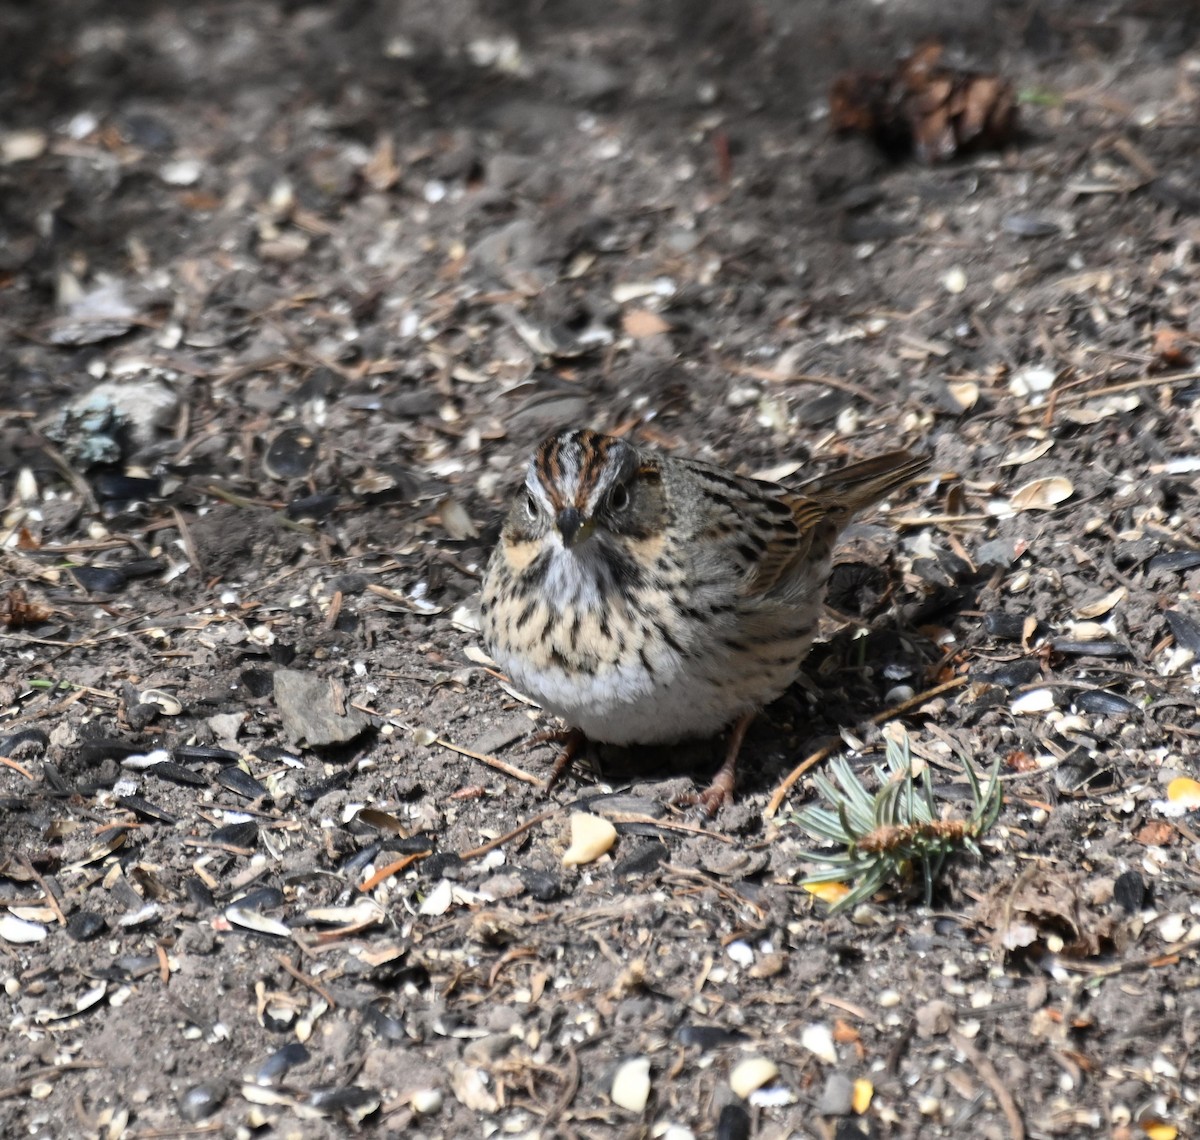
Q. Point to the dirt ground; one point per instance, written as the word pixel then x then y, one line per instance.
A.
pixel 288 292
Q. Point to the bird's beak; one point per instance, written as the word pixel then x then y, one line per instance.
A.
pixel 573 526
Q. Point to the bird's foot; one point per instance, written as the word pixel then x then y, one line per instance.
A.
pixel 720 791
pixel 571 739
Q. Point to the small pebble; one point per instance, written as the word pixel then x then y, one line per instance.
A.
pixel 427 1101
pixel 201 1101
pixel 955 281
pixel 837 1098
pixel 85 924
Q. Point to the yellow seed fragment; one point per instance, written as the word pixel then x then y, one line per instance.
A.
pixel 751 1074
pixel 591 837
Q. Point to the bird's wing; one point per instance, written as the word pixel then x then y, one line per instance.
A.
pixel 784 531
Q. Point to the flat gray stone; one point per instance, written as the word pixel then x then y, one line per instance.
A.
pixel 312 711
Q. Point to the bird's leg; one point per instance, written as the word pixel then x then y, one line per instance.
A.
pixel 720 791
pixel 571 739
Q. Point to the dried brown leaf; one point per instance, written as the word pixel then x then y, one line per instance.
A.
pixel 1046 904
pixel 1159 833
pixel 922 105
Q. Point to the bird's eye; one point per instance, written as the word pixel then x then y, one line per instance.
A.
pixel 618 497
pixel 531 506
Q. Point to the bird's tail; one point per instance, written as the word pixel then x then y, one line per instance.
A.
pixel 853 488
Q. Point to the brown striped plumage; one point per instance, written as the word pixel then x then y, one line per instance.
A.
pixel 646 598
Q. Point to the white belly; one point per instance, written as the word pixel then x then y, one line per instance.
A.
pixel 681 699
pixel 626 706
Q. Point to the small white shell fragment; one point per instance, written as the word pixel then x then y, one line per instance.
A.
pixel 456 522
pixel 91 997
pixel 145 759
pixel 1016 458
pixel 775 1097
pixel 955 281
pixel 13 929
pixel 751 1074
pixel 82 1003
pixel 740 952
pixel 631 1084
pixel 1042 494
pixel 1034 702
pixel 165 702
pixel 1174 661
pixel 777 473
pixel 363 911
pixel 182 172
pixel 27 486
pixel 1172 927
pixel 672 1132
pixel 636 290
pixel 34 913
pixel 742 396
pixel 439 900
pixel 965 393
pixel 1031 381
pixel 426 1101
pixel 818 1040
pixel 23 145
pixel 262 635
pixel 259 923
pixel 1089 631
pixel 591 837
pixel 1102 605
pixel 264 1094
pixel 41 1090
